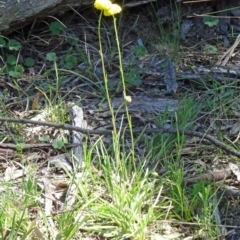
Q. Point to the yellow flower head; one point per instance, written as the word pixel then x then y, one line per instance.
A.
pixel 102 4
pixel 107 7
pixel 114 9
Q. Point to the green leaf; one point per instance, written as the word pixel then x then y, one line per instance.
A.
pixel 210 21
pixel 20 147
pixel 11 60
pixel 14 74
pixel 44 138
pixel 59 143
pixel 139 51
pixel 29 62
pixel 2 42
pixel 210 49
pixel 133 77
pixel 73 40
pixel 56 27
pixel 136 81
pixel 14 45
pixel 19 68
pixel 70 61
pixel 51 56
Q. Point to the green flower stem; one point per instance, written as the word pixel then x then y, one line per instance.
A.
pixel 124 88
pixel 115 133
pixel 57 77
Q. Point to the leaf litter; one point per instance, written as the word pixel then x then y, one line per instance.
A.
pixel 157 86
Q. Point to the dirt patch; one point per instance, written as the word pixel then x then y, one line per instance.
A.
pixel 204 51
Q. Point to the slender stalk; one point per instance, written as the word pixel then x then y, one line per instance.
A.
pixel 124 90
pixel 57 85
pixel 105 78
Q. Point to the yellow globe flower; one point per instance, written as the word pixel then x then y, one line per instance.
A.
pixel 107 7
pixel 102 4
pixel 106 13
pixel 114 9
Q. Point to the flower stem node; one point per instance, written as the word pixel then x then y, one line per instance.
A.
pixel 128 99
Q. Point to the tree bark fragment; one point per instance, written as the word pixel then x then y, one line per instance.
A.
pixel 13 13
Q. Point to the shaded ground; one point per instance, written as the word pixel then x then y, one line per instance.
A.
pixel 151 35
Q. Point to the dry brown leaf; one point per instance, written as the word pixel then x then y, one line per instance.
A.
pixel 38 233
pixel 235 129
pixel 48 203
pixel 72 191
pixel 235 169
pixel 11 173
pixel 35 104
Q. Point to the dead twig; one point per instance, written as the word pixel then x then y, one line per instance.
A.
pixel 32 145
pixel 211 176
pixel 228 54
pixel 205 136
pixel 10 133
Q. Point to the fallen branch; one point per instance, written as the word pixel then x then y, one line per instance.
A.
pixel 205 136
pixel 33 145
pixel 211 176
